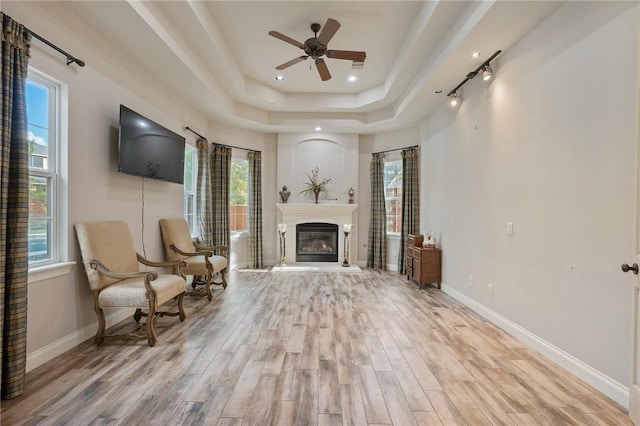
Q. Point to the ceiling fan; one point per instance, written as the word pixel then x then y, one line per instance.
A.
pixel 316 47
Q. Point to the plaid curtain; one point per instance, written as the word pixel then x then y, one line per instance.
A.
pixel 410 201
pixel 220 177
pixel 255 210
pixel 14 207
pixel 377 246
pixel 203 194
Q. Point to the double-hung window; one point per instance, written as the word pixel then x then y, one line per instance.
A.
pixel 190 176
pixel 238 208
pixel 43 120
pixel 393 195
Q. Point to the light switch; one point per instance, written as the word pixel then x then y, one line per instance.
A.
pixel 509 228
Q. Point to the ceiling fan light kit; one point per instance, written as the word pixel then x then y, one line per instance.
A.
pixel 486 72
pixel 316 47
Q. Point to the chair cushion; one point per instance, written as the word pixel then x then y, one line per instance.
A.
pixel 196 265
pixel 132 292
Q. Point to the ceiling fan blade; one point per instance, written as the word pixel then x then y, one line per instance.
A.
pixel 286 38
pixel 328 31
pixel 347 54
pixel 322 69
pixel 291 62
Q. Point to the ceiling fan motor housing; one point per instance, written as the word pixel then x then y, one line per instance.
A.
pixel 314 48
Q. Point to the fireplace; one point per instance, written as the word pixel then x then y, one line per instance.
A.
pixel 316 242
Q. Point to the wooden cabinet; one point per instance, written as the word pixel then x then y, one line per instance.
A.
pixel 423 264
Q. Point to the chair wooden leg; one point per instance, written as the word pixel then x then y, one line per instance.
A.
pixel 208 284
pixel 151 332
pixel 99 339
pixel 183 315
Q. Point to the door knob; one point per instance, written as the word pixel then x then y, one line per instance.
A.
pixel 627 268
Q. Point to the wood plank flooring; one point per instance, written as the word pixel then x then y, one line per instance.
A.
pixel 279 348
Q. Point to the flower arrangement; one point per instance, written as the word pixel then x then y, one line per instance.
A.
pixel 315 186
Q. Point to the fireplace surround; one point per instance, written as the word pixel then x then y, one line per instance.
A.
pixel 292 214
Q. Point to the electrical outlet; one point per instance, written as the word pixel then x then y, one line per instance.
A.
pixel 394 253
pixel 490 289
pixel 470 280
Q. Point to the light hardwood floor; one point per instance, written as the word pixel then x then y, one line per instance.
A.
pixel 312 349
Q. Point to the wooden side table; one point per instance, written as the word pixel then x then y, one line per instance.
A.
pixel 423 264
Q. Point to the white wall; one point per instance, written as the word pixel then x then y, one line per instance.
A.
pixel 550 146
pixel 60 313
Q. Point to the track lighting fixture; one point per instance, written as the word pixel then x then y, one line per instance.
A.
pixel 453 99
pixel 487 74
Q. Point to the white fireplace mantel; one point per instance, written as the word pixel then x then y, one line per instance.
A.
pixel 296 213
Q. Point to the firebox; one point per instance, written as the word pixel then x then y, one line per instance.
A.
pixel 316 242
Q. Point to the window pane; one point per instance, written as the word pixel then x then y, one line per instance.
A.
pixel 188 170
pixel 38 196
pixel 238 195
pixel 393 194
pixel 38 104
pixel 38 124
pixel 38 236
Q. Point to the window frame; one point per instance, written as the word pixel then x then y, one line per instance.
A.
pixel 190 196
pixel 394 159
pixel 57 264
pixel 52 172
pixel 239 231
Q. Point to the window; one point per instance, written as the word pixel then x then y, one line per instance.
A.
pixel 238 195
pixel 393 195
pixel 43 114
pixel 190 179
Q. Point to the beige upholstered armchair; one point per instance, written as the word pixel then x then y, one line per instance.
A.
pixel 111 263
pixel 201 261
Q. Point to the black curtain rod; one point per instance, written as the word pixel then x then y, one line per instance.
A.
pixel 395 149
pixel 228 146
pixel 70 57
pixel 473 73
pixel 194 132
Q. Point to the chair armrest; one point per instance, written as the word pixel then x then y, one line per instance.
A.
pixel 98 266
pixel 176 265
pixel 210 248
pixel 206 253
pixel 168 263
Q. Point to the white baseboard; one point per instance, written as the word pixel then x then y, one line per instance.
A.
pixel 60 346
pixel 595 378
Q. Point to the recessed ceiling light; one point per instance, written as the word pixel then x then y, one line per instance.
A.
pixel 475 55
pixel 318 128
pixel 352 78
pixel 280 77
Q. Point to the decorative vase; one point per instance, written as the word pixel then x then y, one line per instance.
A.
pixel 284 194
pixel 315 194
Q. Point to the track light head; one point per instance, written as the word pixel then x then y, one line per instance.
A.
pixel 487 72
pixel 453 99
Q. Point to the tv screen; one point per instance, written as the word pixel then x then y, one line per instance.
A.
pixel 148 149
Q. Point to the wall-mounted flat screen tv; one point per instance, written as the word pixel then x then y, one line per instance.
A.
pixel 148 149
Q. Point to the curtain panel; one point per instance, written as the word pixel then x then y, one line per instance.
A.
pixel 410 223
pixel 203 194
pixel 377 242
pixel 14 211
pixel 220 178
pixel 255 260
